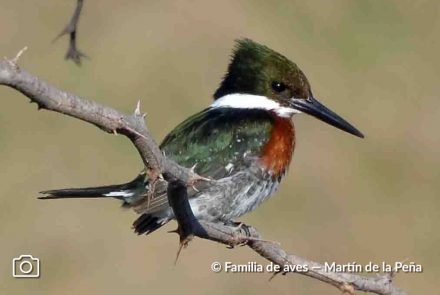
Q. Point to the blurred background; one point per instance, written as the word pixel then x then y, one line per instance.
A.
pixel 375 63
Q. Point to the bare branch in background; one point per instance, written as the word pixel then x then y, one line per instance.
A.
pixel 133 126
pixel 71 29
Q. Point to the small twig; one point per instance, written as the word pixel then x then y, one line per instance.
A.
pixel 71 29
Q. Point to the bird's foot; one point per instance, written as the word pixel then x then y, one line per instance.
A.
pixel 244 234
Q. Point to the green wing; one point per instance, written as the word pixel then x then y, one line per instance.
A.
pixel 219 142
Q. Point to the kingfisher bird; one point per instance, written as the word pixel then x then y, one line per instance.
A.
pixel 243 141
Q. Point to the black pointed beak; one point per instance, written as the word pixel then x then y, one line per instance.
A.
pixel 316 109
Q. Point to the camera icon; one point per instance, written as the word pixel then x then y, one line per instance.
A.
pixel 26 266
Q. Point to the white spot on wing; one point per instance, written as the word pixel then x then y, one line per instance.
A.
pixel 229 167
pixel 124 194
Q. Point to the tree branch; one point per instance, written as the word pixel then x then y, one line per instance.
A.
pixel 71 29
pixel 133 126
pixel 110 120
pixel 189 226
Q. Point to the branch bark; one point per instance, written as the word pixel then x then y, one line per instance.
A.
pixel 133 126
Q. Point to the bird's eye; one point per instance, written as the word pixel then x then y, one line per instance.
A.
pixel 278 86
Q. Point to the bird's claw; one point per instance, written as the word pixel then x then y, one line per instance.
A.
pixel 244 234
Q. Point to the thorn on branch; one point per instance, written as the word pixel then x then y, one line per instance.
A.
pixel 137 111
pixel 243 235
pixel 39 105
pixel 196 178
pixel 178 199
pixel 347 288
pixel 389 277
pixel 193 168
pixel 174 231
pixel 131 130
pixel 19 54
pixel 275 274
pixel 14 61
pixel 183 244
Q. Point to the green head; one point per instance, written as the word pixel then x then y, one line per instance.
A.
pixel 259 71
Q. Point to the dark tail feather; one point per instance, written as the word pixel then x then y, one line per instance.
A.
pixel 148 223
pixel 126 192
pixel 73 193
